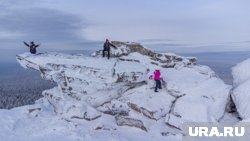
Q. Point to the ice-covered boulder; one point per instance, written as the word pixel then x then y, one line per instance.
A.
pixel 96 89
pixel 241 91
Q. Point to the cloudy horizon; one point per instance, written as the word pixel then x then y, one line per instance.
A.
pixel 181 26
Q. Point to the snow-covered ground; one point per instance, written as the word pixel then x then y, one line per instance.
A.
pixel 28 123
pixel 101 99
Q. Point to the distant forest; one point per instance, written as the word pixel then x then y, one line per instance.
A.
pixel 20 87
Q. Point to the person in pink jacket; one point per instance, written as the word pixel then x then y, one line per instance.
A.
pixel 157 78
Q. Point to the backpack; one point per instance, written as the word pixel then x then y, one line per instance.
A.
pixel 33 50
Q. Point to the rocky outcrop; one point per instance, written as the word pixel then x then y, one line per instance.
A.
pixel 240 93
pixel 97 89
pixel 166 60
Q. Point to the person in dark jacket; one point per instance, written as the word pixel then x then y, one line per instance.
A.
pixel 157 78
pixel 106 47
pixel 32 47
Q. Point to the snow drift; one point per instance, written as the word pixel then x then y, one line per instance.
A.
pixel 241 91
pixel 116 93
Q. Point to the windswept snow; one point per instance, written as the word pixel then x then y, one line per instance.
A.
pixel 100 99
pixel 241 91
pixel 241 72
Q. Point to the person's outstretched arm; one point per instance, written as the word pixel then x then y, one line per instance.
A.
pixel 26 44
pixel 37 45
pixel 113 45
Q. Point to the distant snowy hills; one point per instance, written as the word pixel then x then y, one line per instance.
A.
pixel 100 99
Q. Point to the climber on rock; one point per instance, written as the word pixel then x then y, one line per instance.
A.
pixel 32 47
pixel 157 78
pixel 106 47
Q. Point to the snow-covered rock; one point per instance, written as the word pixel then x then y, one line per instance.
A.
pixel 118 90
pixel 241 91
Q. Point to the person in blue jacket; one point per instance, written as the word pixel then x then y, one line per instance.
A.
pixel 32 47
pixel 106 47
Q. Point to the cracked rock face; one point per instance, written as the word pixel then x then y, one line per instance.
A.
pixel 95 88
pixel 127 121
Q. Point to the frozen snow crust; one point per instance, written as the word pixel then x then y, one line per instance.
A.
pixel 115 97
pixel 241 90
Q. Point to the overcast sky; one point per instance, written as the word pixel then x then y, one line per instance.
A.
pixel 177 25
